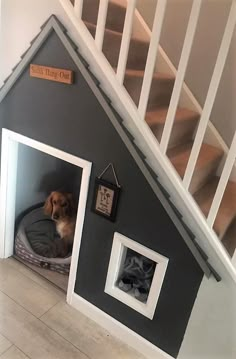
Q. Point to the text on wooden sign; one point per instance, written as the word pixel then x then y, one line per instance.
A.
pixel 51 73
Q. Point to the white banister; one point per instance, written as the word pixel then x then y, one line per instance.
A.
pixel 78 7
pixel 183 62
pixel 229 163
pixel 123 104
pixel 101 23
pixel 124 48
pixel 151 58
pixel 214 84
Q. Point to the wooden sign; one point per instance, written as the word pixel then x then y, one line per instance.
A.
pixel 51 73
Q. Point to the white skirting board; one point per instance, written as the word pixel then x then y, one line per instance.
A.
pixel 117 329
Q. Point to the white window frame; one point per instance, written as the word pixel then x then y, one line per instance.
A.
pixel 118 255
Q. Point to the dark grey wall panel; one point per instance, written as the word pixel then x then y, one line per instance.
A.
pixel 72 119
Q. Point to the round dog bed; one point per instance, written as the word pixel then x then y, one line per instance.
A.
pixel 38 243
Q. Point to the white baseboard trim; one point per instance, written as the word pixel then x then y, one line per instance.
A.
pixel 118 329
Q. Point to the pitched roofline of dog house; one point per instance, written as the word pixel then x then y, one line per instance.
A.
pixel 53 24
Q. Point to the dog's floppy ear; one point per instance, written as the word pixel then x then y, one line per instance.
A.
pixel 48 205
pixel 72 205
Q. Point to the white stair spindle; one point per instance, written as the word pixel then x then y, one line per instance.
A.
pixel 101 23
pixel 151 58
pixel 187 46
pixel 78 7
pixel 229 163
pixel 124 48
pixel 212 91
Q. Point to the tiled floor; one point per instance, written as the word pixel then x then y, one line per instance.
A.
pixel 60 280
pixel 36 322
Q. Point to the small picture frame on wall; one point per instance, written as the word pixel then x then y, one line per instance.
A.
pixel 105 199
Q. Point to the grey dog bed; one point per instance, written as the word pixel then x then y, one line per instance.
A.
pixel 38 243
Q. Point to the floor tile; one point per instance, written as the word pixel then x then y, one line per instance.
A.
pixel 57 279
pixel 25 291
pixel 61 332
pixel 12 316
pixel 31 335
pixel 34 276
pixel 86 334
pixel 4 344
pixel 13 353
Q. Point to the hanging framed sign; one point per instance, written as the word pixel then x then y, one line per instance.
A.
pixel 106 196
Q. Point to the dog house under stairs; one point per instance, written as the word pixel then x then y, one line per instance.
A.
pixel 76 123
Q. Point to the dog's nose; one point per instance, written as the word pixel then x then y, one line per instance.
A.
pixel 55 216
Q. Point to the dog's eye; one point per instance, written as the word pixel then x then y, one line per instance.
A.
pixel 54 202
pixel 64 204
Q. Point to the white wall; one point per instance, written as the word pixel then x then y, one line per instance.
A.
pixel 205 48
pixel 211 331
pixel 21 21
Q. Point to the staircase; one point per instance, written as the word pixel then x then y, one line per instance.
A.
pixel 205 181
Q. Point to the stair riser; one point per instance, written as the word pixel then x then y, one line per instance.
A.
pixel 115 14
pixel 160 93
pixel 227 211
pixel 230 239
pixel 181 133
pixel 203 175
pixel 137 55
pixel 111 48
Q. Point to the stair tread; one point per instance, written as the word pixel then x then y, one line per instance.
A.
pixel 137 53
pixel 156 75
pixel 161 87
pixel 157 117
pixel 115 13
pixel 179 156
pixel 227 210
pixel 92 27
